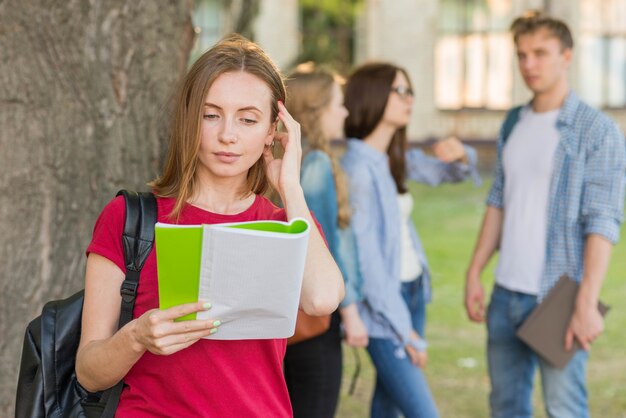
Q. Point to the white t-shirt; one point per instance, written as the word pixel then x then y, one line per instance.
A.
pixel 528 164
pixel 410 264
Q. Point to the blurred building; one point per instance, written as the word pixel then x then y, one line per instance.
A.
pixel 275 25
pixel 459 53
pixel 460 56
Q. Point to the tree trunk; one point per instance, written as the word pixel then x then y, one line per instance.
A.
pixel 83 90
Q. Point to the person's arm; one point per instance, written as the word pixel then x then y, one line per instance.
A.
pixel 602 212
pixel 318 185
pixel 320 194
pixel 322 285
pixel 486 246
pixel 453 162
pixel 587 322
pixel 488 241
pixel 418 357
pixel 356 332
pixel 106 354
pixel 380 291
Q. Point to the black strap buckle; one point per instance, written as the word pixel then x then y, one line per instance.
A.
pixel 128 291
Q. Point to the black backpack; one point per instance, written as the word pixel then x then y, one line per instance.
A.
pixel 47 385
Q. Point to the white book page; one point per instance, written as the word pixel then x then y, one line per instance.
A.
pixel 253 280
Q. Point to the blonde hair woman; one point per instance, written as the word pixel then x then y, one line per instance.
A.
pixel 313 367
pixel 219 162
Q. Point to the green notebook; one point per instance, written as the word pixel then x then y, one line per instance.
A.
pixel 180 250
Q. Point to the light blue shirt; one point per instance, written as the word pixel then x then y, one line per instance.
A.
pixel 586 189
pixel 373 195
pixel 320 193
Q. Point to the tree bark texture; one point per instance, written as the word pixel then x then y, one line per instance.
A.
pixel 84 86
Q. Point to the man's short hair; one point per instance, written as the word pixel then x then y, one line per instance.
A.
pixel 534 20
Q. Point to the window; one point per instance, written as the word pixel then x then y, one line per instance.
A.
pixel 602 52
pixel 207 25
pixel 473 55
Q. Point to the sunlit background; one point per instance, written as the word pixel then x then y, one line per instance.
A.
pixel 458 53
pixel 461 59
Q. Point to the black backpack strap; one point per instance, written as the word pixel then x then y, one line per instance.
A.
pixel 137 240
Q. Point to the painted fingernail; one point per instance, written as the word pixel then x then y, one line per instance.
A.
pixel 207 305
pixel 217 323
pixel 213 331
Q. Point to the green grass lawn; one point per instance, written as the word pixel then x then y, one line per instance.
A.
pixel 448 219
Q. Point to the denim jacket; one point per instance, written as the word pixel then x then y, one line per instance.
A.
pixel 318 183
pixel 586 189
pixel 373 195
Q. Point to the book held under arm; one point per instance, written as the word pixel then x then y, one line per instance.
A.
pixel 545 328
pixel 250 272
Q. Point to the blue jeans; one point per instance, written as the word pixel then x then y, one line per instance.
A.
pixel 401 386
pixel 413 294
pixel 512 365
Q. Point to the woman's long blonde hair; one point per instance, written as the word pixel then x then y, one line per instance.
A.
pixel 232 54
pixel 310 92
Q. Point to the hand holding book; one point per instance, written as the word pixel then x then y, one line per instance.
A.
pixel 158 332
pixel 251 273
pixel 545 328
pixel 585 326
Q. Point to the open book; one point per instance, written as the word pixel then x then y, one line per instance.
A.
pixel 251 272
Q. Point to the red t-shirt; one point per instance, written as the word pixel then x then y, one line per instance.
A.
pixel 211 378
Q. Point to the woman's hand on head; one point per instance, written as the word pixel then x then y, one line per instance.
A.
pixel 284 173
pixel 157 332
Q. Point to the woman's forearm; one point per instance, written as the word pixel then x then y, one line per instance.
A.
pixel 101 364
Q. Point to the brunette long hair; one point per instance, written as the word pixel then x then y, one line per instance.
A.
pixel 366 95
pixel 231 54
pixel 309 93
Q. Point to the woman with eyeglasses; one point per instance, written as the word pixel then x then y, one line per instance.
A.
pixel 396 278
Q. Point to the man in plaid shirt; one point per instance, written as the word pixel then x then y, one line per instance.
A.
pixel 555 208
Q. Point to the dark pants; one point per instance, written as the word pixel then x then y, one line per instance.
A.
pixel 313 373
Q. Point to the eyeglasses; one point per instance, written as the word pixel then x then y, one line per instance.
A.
pixel 403 91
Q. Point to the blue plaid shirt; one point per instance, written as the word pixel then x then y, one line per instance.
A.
pixel 586 190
